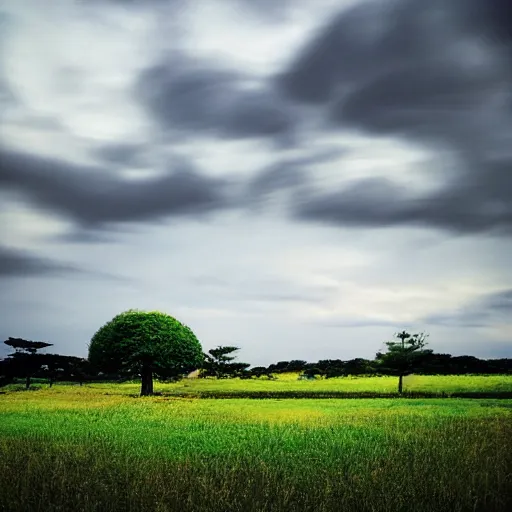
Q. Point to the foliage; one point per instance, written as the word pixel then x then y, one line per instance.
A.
pixel 403 357
pixel 145 344
pixel 59 367
pixel 26 346
pixel 24 360
pixel 258 372
pixel 218 363
pixel 431 364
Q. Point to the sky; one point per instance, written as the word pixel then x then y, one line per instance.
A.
pixel 299 179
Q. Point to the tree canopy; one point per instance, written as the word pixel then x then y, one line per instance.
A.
pixel 146 344
pixel 218 363
pixel 29 347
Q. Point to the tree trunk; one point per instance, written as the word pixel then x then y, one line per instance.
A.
pixel 27 382
pixel 146 387
pixel 400 384
pixel 51 382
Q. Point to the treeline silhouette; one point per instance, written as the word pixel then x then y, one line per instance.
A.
pixel 431 364
pixel 27 363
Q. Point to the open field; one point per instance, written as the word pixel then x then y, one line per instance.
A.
pixel 289 386
pixel 72 448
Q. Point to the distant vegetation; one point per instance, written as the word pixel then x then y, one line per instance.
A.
pixel 142 345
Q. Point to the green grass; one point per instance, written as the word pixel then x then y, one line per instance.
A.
pixel 72 448
pixel 290 384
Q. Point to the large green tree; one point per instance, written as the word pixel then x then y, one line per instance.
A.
pixel 403 357
pixel 145 344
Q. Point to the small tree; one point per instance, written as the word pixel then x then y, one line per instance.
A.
pixel 404 356
pixel 24 359
pixel 218 363
pixel 145 344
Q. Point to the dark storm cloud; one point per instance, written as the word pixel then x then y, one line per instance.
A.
pixel 436 73
pixel 16 263
pixel 491 309
pixel 185 95
pixel 93 197
pixel 375 40
pixel 477 206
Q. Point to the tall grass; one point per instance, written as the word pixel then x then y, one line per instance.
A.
pixel 84 450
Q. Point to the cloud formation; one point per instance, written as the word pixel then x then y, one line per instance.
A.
pixel 18 263
pixel 485 311
pixel 435 73
pixel 93 196
pixel 185 95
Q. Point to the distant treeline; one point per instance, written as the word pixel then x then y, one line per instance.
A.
pixel 432 364
pixel 52 367
pixel 56 367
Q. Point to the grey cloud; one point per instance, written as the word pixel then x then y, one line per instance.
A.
pixel 288 174
pixel 276 177
pixel 375 39
pixel 500 302
pixel 79 235
pixel 488 310
pixel 121 153
pixel 458 319
pixel 422 70
pixel 268 10
pixel 184 95
pixel 477 206
pixel 93 197
pixel 437 73
pixel 18 263
pixel 494 19
pixel 365 202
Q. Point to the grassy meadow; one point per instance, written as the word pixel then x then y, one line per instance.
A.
pixel 289 385
pixel 100 448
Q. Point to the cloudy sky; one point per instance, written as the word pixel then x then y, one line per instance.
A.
pixel 301 179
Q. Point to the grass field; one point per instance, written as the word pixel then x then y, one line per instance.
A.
pixel 97 448
pixel 289 383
